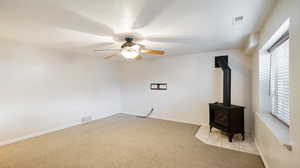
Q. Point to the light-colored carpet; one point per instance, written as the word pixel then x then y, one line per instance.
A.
pixel 123 141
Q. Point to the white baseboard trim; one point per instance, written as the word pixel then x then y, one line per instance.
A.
pixel 11 141
pixel 164 118
pixel 174 120
pixel 180 121
pixel 261 154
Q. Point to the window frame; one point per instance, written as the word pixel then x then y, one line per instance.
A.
pixel 285 37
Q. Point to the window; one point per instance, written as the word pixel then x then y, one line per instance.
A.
pixel 279 78
pixel 273 84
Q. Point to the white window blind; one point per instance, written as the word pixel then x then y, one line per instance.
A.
pixel 279 81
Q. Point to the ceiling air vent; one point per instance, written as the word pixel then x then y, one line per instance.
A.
pixel 237 20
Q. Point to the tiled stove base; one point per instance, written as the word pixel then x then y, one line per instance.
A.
pixel 217 138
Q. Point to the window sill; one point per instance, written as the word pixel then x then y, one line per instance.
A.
pixel 279 130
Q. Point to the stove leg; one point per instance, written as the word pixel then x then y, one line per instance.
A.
pixel 243 135
pixel 230 137
pixel 210 129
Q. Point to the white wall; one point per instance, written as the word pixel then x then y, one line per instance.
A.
pixel 193 82
pixel 42 89
pixel 274 153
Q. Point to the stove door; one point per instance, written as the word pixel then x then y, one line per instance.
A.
pixel 221 117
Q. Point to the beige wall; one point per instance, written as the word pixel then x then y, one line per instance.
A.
pixel 43 90
pixel 274 153
pixel 193 82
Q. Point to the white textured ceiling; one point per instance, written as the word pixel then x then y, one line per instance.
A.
pixel 176 26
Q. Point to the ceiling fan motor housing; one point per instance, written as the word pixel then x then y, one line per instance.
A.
pixel 128 39
pixel 129 42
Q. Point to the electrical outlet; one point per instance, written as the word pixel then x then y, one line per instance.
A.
pixel 86 119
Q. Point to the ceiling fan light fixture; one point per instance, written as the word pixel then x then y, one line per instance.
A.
pixel 131 52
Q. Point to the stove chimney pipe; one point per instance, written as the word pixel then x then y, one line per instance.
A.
pixel 222 61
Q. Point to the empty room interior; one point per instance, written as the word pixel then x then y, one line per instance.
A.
pixel 149 83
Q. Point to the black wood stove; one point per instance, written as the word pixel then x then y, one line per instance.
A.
pixel 225 116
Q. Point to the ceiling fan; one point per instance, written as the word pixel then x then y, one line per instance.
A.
pixel 131 50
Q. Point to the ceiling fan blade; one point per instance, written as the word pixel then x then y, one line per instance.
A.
pixel 179 39
pixel 97 45
pixel 139 57
pixel 159 52
pixel 110 56
pixel 100 50
pixel 150 11
pixel 60 17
